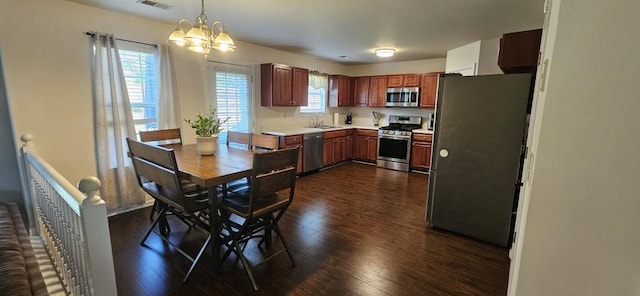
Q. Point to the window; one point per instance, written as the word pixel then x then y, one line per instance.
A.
pixel 138 65
pixel 318 86
pixel 233 98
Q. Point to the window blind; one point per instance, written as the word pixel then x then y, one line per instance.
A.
pixel 140 74
pixel 233 98
pixel 317 93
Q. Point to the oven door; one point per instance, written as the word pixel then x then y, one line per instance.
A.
pixel 394 148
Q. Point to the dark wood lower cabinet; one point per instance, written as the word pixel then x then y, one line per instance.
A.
pixel 421 152
pixel 337 147
pixel 293 141
pixel 349 147
pixel 328 149
pixel 366 145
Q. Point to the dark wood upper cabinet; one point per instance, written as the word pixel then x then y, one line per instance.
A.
pixel 429 89
pixel 282 85
pixel 394 80
pixel 403 80
pixel 411 80
pixel 361 91
pixel 340 91
pixel 377 91
pixel 275 84
pixel 519 51
pixel 300 91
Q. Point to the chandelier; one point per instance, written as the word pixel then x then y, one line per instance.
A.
pixel 200 37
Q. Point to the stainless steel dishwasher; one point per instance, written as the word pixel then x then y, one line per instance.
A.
pixel 312 152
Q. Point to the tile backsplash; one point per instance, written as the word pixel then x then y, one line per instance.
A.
pixel 283 117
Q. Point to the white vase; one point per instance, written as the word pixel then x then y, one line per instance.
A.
pixel 207 145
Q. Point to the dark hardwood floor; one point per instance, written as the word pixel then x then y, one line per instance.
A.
pixel 354 230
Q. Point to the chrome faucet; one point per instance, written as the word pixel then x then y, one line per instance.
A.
pixel 314 122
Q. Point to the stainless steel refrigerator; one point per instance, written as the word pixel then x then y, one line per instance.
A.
pixel 477 154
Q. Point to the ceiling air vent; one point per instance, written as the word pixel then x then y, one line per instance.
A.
pixel 154 4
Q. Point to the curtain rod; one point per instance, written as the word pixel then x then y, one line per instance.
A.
pixel 132 41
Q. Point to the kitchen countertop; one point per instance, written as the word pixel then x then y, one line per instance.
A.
pixel 423 131
pixel 309 130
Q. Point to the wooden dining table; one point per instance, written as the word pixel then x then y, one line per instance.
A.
pixel 227 164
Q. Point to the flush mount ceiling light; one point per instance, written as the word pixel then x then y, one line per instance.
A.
pixel 200 37
pixel 385 52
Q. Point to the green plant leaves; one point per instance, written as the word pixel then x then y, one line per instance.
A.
pixel 207 124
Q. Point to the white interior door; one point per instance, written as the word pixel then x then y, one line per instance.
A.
pixel 552 10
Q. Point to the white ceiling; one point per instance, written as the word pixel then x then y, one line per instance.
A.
pixel 329 29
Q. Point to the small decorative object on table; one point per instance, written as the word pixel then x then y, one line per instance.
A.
pixel 207 129
pixel 376 118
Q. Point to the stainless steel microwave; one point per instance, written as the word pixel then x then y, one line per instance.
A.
pixel 403 97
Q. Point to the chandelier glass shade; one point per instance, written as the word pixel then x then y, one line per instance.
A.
pixel 200 37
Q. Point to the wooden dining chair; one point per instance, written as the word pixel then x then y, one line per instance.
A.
pixel 158 175
pixel 257 213
pixel 258 142
pixel 243 140
pixel 264 142
pixel 239 139
pixel 165 136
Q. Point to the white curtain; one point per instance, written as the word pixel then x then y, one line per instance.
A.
pixel 113 123
pixel 318 80
pixel 168 103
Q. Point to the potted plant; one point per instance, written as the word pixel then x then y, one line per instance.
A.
pixel 207 128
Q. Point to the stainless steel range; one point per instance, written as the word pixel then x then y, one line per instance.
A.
pixel 394 142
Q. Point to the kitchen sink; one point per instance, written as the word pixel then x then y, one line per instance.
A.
pixel 324 126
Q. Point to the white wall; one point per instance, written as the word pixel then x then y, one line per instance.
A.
pixel 419 66
pixel 48 74
pixel 582 225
